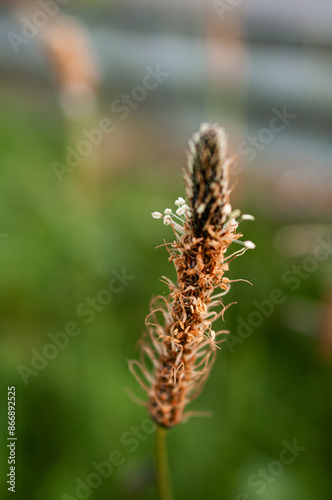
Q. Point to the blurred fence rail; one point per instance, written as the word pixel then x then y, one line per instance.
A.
pixel 286 61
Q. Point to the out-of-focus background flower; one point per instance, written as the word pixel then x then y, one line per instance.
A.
pixel 98 100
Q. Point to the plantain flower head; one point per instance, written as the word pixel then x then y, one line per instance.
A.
pixel 179 347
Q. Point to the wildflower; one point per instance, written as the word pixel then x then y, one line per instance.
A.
pixel 179 347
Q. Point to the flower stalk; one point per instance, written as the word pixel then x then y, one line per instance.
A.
pixel 163 479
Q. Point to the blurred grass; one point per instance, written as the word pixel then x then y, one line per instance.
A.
pixel 274 387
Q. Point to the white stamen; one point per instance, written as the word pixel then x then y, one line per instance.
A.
pixel 249 244
pixel 247 217
pixel 180 201
pixel 168 211
pixel 157 215
pixel 213 334
pixel 236 213
pixel 167 220
pixel 182 210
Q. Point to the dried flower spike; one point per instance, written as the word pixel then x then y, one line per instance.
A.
pixel 179 348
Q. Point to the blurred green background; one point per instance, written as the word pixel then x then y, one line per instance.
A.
pixel 62 242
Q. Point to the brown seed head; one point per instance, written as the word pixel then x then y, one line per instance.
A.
pixel 207 178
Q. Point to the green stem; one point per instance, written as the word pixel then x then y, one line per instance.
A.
pixel 163 479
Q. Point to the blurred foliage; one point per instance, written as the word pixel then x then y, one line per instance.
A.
pixel 61 248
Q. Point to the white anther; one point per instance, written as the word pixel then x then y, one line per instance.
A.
pixel 249 244
pixel 167 220
pixel 247 217
pixel 157 215
pixel 236 213
pixel 180 201
pixel 182 210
